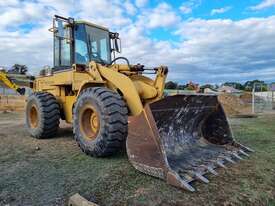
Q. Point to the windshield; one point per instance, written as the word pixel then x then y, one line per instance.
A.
pixel 92 44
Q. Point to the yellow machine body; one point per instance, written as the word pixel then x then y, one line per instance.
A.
pixel 136 89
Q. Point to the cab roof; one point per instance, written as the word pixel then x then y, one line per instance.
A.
pixel 91 24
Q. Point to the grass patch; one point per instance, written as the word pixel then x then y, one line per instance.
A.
pixel 59 169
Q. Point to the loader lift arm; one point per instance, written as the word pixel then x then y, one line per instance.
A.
pixel 8 82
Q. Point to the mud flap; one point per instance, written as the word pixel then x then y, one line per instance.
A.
pixel 181 138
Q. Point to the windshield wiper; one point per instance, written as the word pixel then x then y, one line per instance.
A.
pixel 89 47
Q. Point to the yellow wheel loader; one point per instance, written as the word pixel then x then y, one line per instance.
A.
pixel 178 138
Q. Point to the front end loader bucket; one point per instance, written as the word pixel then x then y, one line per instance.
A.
pixel 181 138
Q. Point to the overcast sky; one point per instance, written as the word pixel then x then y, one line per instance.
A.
pixel 206 41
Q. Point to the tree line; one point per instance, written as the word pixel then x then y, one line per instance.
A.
pixel 16 69
pixel 247 86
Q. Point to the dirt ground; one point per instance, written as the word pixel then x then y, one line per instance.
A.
pixel 47 172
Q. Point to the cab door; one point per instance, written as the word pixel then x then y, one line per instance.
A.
pixel 63 43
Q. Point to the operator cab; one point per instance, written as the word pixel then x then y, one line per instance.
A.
pixel 79 42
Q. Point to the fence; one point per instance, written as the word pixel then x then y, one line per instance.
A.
pixel 170 92
pixel 263 102
pixel 242 102
pixel 10 100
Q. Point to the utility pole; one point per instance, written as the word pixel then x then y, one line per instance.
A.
pixel 253 99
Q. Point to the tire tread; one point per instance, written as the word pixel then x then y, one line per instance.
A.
pixel 114 113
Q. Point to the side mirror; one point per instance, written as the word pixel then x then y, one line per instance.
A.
pixel 118 45
pixel 116 42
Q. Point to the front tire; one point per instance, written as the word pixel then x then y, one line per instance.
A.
pixel 42 115
pixel 100 123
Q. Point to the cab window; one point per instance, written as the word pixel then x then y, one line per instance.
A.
pixel 81 50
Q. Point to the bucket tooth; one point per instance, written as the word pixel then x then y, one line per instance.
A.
pixel 220 163
pixel 246 149
pixel 179 181
pixel 237 156
pixel 249 150
pixel 200 177
pixel 212 171
pixel 244 153
pixel 229 160
pixel 187 186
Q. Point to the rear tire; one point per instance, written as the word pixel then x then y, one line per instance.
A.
pixel 42 115
pixel 100 122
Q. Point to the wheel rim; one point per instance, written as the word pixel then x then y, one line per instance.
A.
pixel 33 116
pixel 89 122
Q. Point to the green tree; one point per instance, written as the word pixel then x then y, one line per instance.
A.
pixel 259 86
pixel 205 86
pixel 235 85
pixel 18 69
pixel 171 85
pixel 210 86
pixel 181 87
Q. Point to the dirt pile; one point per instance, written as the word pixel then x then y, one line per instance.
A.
pixel 12 103
pixel 236 104
pixel 246 98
